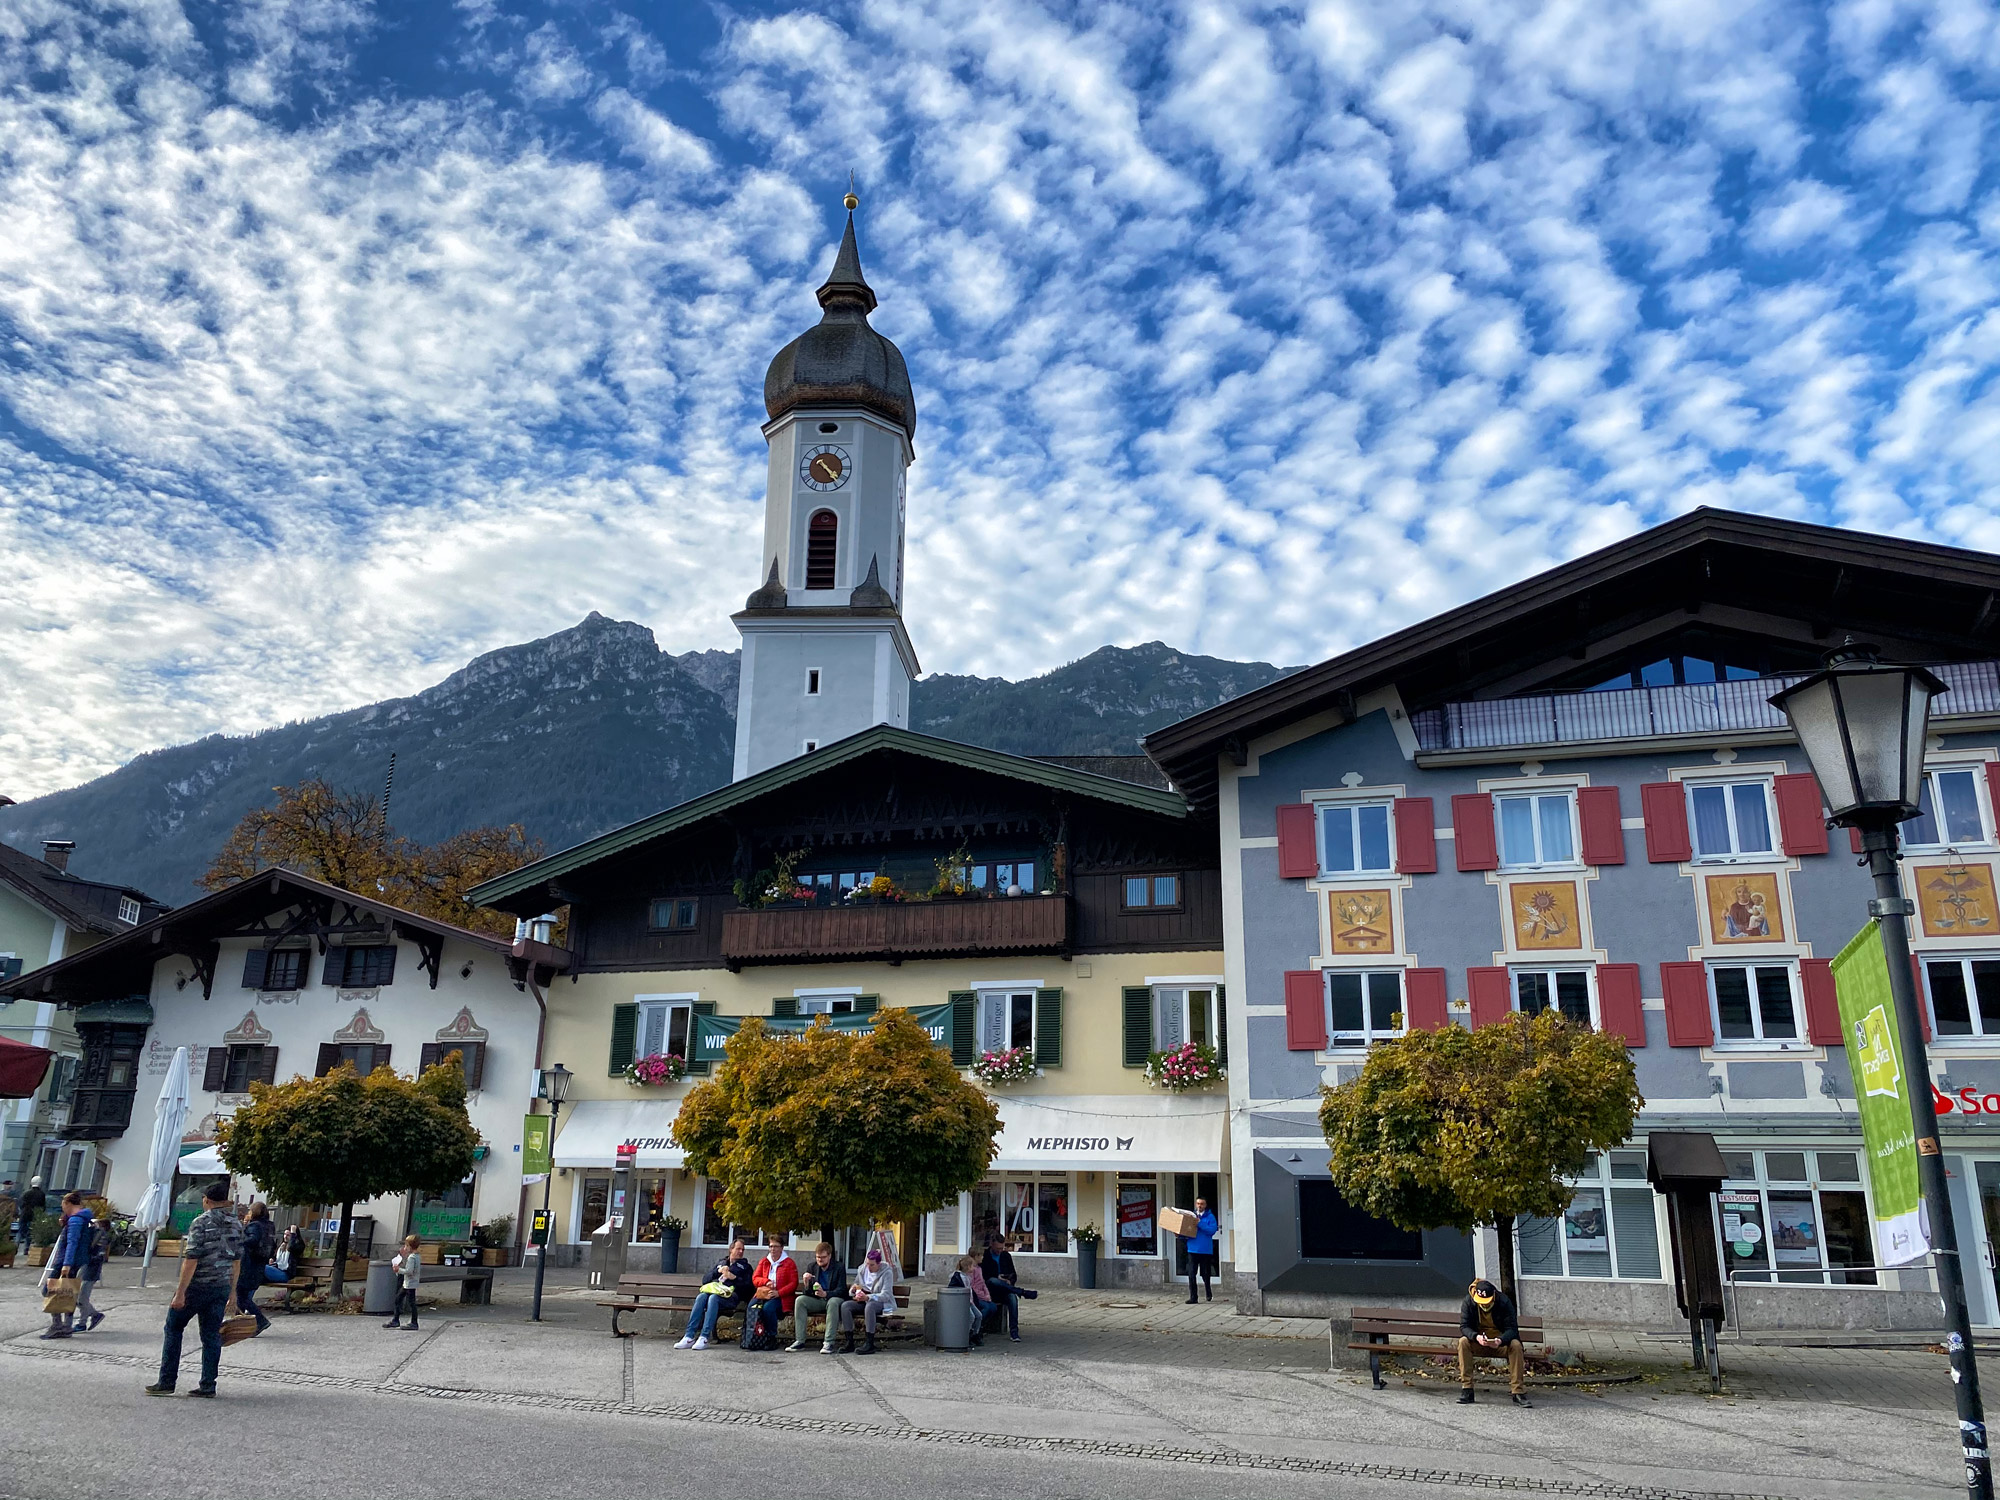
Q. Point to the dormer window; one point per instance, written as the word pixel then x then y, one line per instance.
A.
pixel 128 911
pixel 822 542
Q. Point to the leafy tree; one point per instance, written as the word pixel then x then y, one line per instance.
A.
pixel 344 1139
pixel 1462 1128
pixel 340 837
pixel 837 1127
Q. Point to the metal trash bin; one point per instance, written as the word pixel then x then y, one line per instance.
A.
pixel 379 1296
pixel 954 1318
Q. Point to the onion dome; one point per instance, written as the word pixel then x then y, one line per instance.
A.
pixel 842 361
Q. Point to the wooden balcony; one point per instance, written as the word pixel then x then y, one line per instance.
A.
pixel 896 931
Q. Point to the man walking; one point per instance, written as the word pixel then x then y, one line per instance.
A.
pixel 1487 1324
pixel 209 1253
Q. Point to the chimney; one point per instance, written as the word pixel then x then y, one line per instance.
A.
pixel 57 852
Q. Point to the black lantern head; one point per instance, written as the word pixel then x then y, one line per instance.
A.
pixel 1862 724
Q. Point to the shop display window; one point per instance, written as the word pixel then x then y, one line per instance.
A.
pixel 1032 1210
pixel 1795 1216
pixel 1138 1214
pixel 1609 1231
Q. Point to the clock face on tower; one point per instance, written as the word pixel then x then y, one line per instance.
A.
pixel 824 467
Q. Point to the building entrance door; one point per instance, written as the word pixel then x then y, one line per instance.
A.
pixel 1189 1186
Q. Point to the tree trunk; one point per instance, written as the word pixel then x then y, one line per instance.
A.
pixel 1504 1228
pixel 340 1251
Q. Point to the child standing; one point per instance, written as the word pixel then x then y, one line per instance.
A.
pixel 409 1268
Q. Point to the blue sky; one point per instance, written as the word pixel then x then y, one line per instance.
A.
pixel 339 343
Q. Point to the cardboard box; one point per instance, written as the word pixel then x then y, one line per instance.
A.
pixel 1180 1221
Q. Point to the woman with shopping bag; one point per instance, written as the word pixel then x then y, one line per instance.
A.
pixel 69 1258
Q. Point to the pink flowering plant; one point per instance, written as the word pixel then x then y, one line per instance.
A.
pixel 656 1070
pixel 1192 1065
pixel 1010 1065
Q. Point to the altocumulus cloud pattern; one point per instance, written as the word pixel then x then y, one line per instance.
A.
pixel 339 341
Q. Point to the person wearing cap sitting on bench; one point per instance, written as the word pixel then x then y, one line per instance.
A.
pixel 1487 1324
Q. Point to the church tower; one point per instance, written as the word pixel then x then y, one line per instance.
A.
pixel 825 654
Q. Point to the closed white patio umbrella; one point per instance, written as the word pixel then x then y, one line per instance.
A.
pixel 156 1209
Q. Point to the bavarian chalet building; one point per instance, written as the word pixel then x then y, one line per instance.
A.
pixel 1573 793
pixel 1081 919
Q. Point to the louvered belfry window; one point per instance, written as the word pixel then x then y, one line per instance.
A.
pixel 822 537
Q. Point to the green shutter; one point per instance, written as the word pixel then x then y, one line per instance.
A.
pixel 785 1005
pixel 1138 1024
pixel 701 1008
pixel 624 1036
pixel 964 1022
pixel 1048 1028
pixel 1221 1027
pixel 867 1005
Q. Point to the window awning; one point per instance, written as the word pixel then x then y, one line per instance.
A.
pixel 201 1161
pixel 1111 1133
pixel 593 1130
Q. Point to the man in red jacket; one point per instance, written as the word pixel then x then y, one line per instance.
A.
pixel 777 1282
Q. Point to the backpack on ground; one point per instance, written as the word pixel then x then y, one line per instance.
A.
pixel 756 1338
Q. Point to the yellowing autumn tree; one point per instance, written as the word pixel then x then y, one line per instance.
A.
pixel 340 837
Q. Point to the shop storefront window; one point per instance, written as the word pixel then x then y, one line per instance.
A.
pixel 445 1216
pixel 1138 1215
pixel 1052 1216
pixel 1609 1231
pixel 1795 1216
pixel 715 1230
pixel 596 1203
pixel 1031 1211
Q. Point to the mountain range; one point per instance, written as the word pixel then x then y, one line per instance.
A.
pixel 570 735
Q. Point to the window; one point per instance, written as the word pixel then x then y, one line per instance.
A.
pixel 1564 990
pixel 471 1059
pixel 1002 878
pixel 128 911
pixel 1669 671
pixel 1754 1003
pixel 1354 839
pixel 1331 1228
pixel 811 745
pixel 1949 810
pixel 1152 891
pixel 1185 1015
pixel 1363 1007
pixel 1965 996
pixel 812 682
pixel 1138 1214
pixel 62 1079
pixel 713 1228
pixel 1537 830
pixel 822 541
pixel 826 1005
pixel 1610 1228
pixel 284 969
pixel 1795 1216
pixel 366 1057
pixel 1006 1019
pixel 245 1067
pixel 1732 819
pixel 1032 1211
pixel 362 968
pixel 676 914
pixel 665 1026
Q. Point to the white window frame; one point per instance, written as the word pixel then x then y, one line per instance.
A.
pixel 1976 769
pixel 1356 804
pixel 1734 854
pixel 1002 996
pixel 128 911
pixel 1531 794
pixel 1601 1180
pixel 1978 1034
pixel 1180 991
pixel 1588 971
pixel 1032 1182
pixel 1339 1040
pixel 663 1006
pixel 827 1002
pixel 1763 1185
pixel 1759 1042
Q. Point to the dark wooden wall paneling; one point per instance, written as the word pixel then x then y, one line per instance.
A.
pixel 1104 926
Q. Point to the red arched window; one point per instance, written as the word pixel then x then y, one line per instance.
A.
pixel 822 533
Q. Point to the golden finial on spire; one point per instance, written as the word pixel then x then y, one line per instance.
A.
pixel 850 200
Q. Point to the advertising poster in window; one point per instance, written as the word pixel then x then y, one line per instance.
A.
pixel 1744 909
pixel 1583 1225
pixel 1875 1054
pixel 1794 1230
pixel 1136 1207
pixel 1742 1227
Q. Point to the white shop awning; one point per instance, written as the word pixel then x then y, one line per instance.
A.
pixel 593 1130
pixel 1111 1133
pixel 205 1162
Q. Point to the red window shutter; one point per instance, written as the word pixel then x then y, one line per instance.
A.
pixel 1854 839
pixel 1298 854
pixel 1416 836
pixel 1305 1010
pixel 1598 813
pixel 1685 986
pixel 1923 1004
pixel 1490 994
pixel 1801 815
pixel 1425 1005
pixel 1618 1003
pixel 1993 787
pixel 1472 831
pixel 1666 811
pixel 1822 1003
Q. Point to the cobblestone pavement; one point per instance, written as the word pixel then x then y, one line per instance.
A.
pixel 1130 1376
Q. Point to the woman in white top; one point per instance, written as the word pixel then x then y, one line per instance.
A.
pixel 875 1290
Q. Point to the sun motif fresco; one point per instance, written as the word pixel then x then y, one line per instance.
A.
pixel 1954 900
pixel 1545 914
pixel 1745 909
pixel 1363 922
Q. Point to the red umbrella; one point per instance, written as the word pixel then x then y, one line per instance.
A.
pixel 22 1068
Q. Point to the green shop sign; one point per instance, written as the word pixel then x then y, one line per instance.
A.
pixel 712 1033
pixel 1882 1084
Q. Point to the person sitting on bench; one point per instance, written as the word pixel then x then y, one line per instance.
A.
pixel 969 1276
pixel 1003 1282
pixel 727 1287
pixel 875 1290
pixel 777 1283
pixel 823 1290
pixel 1488 1324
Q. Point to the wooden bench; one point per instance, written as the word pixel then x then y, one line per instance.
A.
pixel 1374 1328
pixel 650 1291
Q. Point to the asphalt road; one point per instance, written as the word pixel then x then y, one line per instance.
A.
pixel 85 1429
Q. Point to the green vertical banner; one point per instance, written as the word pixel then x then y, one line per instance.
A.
pixel 535 1146
pixel 1882 1085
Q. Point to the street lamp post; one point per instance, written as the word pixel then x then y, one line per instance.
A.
pixel 555 1089
pixel 1862 725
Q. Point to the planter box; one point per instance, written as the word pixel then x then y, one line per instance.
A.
pixel 38 1255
